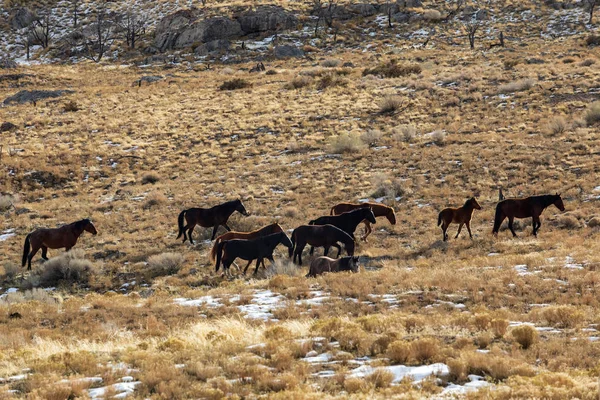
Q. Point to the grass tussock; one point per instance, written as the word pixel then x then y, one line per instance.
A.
pixel 235 84
pixel 592 115
pixel 164 264
pixel 525 335
pixel 67 268
pixel 390 104
pixel 557 126
pixel 346 143
pixel 517 86
pixel 392 69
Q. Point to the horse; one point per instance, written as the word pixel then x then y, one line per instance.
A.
pixel 461 216
pixel 379 210
pixel 320 236
pixel 255 249
pixel 347 221
pixel 54 238
pixel 524 208
pixel 266 230
pixel 208 217
pixel 321 265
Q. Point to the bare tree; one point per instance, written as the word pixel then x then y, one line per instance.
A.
pixel 99 36
pixel 591 5
pixel 471 29
pixel 453 13
pixel 40 30
pixel 325 13
pixel 75 8
pixel 133 25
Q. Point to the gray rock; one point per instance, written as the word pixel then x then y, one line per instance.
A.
pixel 481 15
pixel 27 96
pixel 149 79
pixel 7 126
pixel 401 17
pixel 207 30
pixel 266 19
pixel 169 28
pixel 409 3
pixel 5 63
pixel 287 51
pixel 214 46
pixel 22 18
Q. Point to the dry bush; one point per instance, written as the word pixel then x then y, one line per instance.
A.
pixel 517 86
pixel 35 294
pixel 371 137
pixel 399 352
pixel 283 267
pixel 227 71
pixel 592 115
pixel 432 15
pixel 438 137
pixel 346 143
pixel 594 222
pixel 499 327
pixel 593 40
pixel 299 82
pixel 71 106
pixel 393 70
pixel 150 177
pixel 356 385
pixel 567 222
pixel 330 63
pixel 164 264
pixel 425 349
pixel 234 84
pixel 587 63
pixel 155 199
pixel 330 80
pixel 557 126
pixel 380 378
pixel 390 104
pixel 561 316
pixel 69 267
pixel 202 372
pixel 525 335
pixel 386 186
pixel 9 270
pixel 6 202
pixel 404 133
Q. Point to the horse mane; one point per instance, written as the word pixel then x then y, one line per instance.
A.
pixel 81 223
pixel 468 202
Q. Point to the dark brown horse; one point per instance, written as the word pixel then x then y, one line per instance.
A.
pixel 347 221
pixel 208 217
pixel 266 230
pixel 461 216
pixel 320 236
pixel 524 208
pixel 379 210
pixel 320 265
pixel 255 249
pixel 54 238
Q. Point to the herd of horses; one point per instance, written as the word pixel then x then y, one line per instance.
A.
pixel 326 231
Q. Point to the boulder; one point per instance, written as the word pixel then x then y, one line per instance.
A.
pixel 170 27
pixel 401 17
pixel 287 51
pixel 27 96
pixel 22 18
pixel 482 14
pixel 266 19
pixel 409 3
pixel 207 30
pixel 7 126
pixel 214 46
pixel 5 63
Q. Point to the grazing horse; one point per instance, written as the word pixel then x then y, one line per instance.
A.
pixel 54 238
pixel 266 230
pixel 208 217
pixel 379 210
pixel 347 221
pixel 321 265
pixel 320 236
pixel 461 216
pixel 255 249
pixel 524 208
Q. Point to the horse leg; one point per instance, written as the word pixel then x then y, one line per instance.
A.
pixel 190 231
pixel 536 224
pixel 338 247
pixel 246 269
pixel 44 253
pixel 214 232
pixel 312 250
pixel 368 231
pixel 459 229
pixel 444 229
pixel 185 228
pixel 510 225
pixel 34 249
pixel 227 226
pixel 258 261
pixel 326 251
pixel 468 224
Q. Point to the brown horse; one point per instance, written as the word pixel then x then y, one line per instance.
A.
pixel 319 236
pixel 255 249
pixel 208 217
pixel 266 230
pixel 524 208
pixel 54 238
pixel 461 216
pixel 320 265
pixel 379 210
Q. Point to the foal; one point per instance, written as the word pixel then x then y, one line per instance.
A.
pixel 321 265
pixel 461 216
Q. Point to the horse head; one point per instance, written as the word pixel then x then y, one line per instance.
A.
pixel 349 264
pixel 475 204
pixel 369 216
pixel 239 207
pixel 285 240
pixel 89 227
pixel 391 216
pixel 559 203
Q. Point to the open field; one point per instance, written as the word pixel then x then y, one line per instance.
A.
pixel 147 316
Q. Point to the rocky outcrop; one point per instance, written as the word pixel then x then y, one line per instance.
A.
pixel 22 18
pixel 212 47
pixel 7 126
pixel 266 19
pixel 206 31
pixel 5 63
pixel 28 96
pixel 287 51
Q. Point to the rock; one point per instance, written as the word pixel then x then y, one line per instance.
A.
pixel 170 27
pixel 148 79
pixel 401 17
pixel 409 3
pixel 155 59
pixel 348 64
pixel 208 30
pixel 22 18
pixel 214 46
pixel 7 126
pixel 481 15
pixel 287 51
pixel 27 96
pixel 266 19
pixel 14 77
pixel 5 63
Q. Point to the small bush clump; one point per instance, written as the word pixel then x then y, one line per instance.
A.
pixel 69 267
pixel 390 104
pixel 404 133
pixel 71 106
pixel 593 40
pixel 150 177
pixel 330 63
pixel 164 264
pixel 6 202
pixel 556 126
pixel 234 84
pixel 393 70
pixel 525 335
pixel 299 82
pixel 517 86
pixel 330 80
pixel 346 143
pixel 592 115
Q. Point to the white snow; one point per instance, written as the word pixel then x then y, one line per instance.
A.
pixel 401 371
pixel 123 389
pixel 476 382
pixel 321 358
pixel 7 234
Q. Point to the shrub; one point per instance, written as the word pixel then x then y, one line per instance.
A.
pixel 404 133
pixel 525 335
pixel 69 267
pixel 499 327
pixel 399 352
pixel 568 222
pixel 593 40
pixel 330 63
pixel 592 115
pixel 299 82
pixel 438 137
pixel 150 177
pixel 387 187
pixel 562 316
pixel 390 104
pixel 330 80
pixel 71 106
pixel 432 15
pixel 425 349
pixel 381 378
pixel 517 86
pixel 164 264
pixel 594 222
pixel 393 70
pixel 371 136
pixel 9 270
pixel 587 63
pixel 346 143
pixel 234 84
pixel 356 385
pixel 6 202
pixel 556 126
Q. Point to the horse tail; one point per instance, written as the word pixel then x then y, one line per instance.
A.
pixel 439 218
pixel 497 219
pixel 332 212
pixel 219 252
pixel 312 222
pixel 213 251
pixel 293 240
pixel 180 223
pixel 26 250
